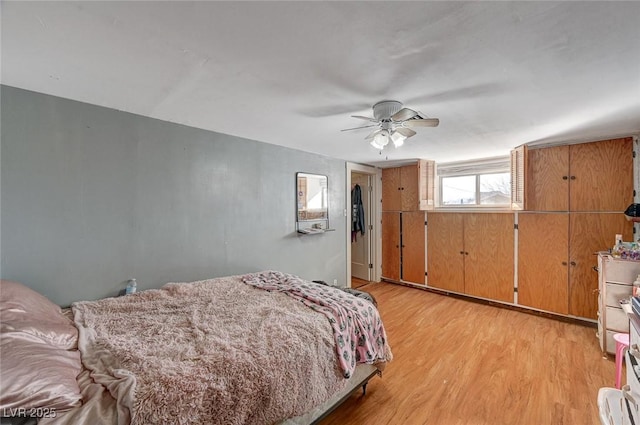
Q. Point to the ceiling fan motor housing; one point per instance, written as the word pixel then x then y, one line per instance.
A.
pixel 383 110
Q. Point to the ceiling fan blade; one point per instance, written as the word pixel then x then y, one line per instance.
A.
pixel 426 122
pixel 404 114
pixel 406 132
pixel 372 134
pixel 358 128
pixel 360 117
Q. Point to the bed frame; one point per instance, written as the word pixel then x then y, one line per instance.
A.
pixel 360 379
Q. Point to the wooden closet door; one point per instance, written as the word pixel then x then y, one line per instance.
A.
pixel 601 177
pixel 391 189
pixel 588 234
pixel 543 266
pixel 413 243
pixel 488 266
pixel 548 179
pixel 391 245
pixel 409 191
pixel 445 251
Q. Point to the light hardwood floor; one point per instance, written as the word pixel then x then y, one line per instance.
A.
pixel 463 362
pixel 357 283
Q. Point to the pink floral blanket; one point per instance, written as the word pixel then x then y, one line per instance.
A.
pixel 357 328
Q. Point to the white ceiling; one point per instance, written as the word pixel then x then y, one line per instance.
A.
pixel 497 74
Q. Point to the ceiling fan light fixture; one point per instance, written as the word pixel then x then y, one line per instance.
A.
pixel 376 145
pixel 398 139
pixel 380 140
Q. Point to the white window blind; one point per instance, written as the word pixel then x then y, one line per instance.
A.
pixel 484 166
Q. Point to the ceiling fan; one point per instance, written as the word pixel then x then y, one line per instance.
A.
pixel 395 123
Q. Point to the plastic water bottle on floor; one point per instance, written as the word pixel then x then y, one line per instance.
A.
pixel 131 287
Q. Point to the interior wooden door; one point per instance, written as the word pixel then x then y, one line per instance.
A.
pixel 608 165
pixel 409 192
pixel 391 245
pixel 413 243
pixel 445 251
pixel 548 179
pixel 543 261
pixel 588 234
pixel 489 255
pixel 391 189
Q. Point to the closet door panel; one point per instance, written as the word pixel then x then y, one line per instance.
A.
pixel 413 245
pixel 409 191
pixel 588 234
pixel 391 245
pixel 445 251
pixel 488 242
pixel 607 165
pixel 543 265
pixel 391 189
pixel 548 179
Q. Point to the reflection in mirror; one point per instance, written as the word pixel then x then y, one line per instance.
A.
pixel 312 197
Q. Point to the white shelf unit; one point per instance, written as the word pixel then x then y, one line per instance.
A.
pixel 615 282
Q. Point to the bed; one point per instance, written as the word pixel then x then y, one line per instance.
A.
pixel 261 348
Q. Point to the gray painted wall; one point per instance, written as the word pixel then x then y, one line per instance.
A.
pixel 93 196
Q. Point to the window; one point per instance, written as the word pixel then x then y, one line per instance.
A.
pixel 472 184
pixel 458 190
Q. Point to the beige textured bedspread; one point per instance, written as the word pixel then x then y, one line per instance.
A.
pixel 216 351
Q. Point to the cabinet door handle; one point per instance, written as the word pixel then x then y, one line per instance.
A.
pixel 595 291
pixel 397 246
pixel 573 263
pixel 461 252
pixel 564 263
pixel 403 246
pixel 565 177
pixel 595 268
pixel 573 177
pixel 466 253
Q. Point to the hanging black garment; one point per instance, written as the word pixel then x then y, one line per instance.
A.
pixel 357 215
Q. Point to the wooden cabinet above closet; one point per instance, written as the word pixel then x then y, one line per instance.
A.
pixel 566 178
pixel 408 188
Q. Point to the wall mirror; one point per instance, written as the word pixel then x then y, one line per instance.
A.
pixel 312 201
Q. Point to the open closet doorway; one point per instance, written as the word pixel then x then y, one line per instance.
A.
pixel 363 228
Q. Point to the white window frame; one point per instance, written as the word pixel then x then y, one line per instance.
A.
pixel 473 168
